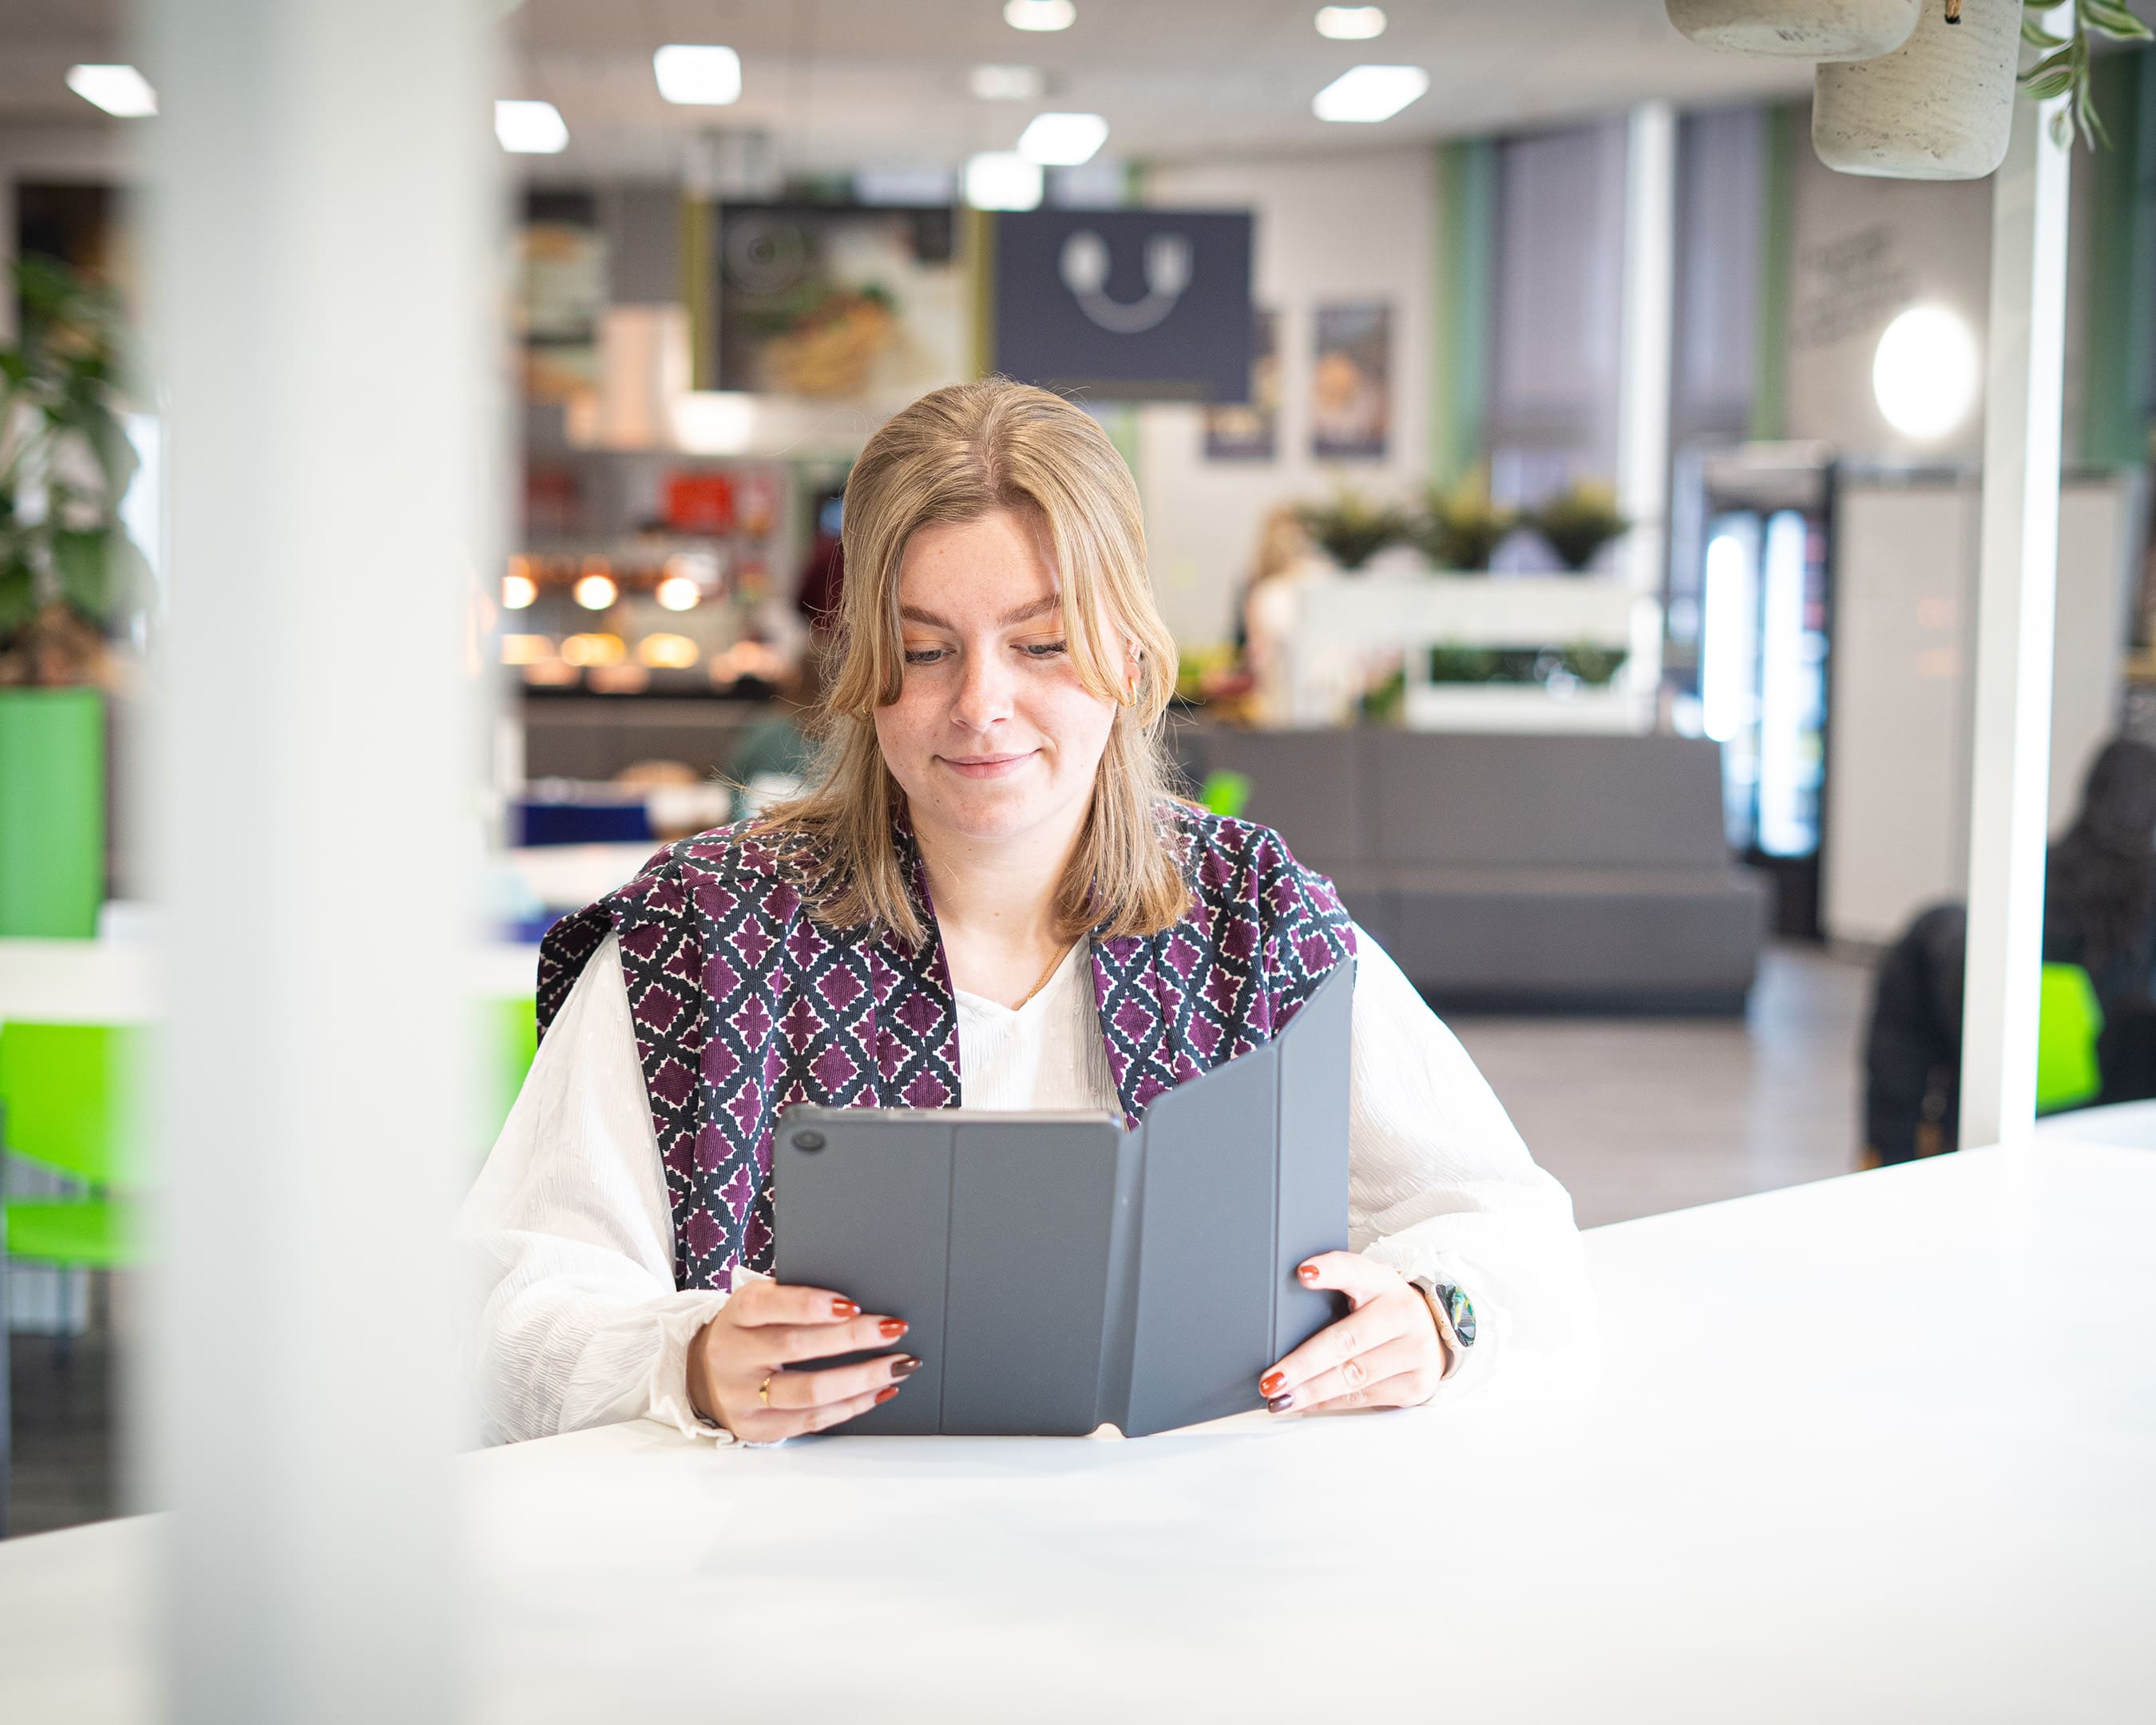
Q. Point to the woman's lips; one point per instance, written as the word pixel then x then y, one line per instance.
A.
pixel 987 766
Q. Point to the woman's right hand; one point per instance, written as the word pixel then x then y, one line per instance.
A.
pixel 767 1327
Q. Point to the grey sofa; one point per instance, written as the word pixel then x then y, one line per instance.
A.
pixel 1586 872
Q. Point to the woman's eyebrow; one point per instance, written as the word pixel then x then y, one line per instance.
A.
pixel 1024 613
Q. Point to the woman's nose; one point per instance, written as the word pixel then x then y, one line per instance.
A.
pixel 984 692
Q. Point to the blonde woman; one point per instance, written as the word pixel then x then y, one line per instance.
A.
pixel 992 899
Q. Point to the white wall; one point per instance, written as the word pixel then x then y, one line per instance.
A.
pixel 1345 227
pixel 1861 251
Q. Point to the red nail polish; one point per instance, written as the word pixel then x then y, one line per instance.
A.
pixel 1268 1385
pixel 885 1393
pixel 892 1328
pixel 1306 1274
pixel 846 1308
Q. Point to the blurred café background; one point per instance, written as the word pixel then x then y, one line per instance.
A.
pixel 1564 488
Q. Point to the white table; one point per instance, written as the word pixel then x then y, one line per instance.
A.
pixel 100 982
pixel 1879 1448
pixel 78 981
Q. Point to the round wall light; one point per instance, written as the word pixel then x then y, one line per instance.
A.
pixel 518 590
pixel 1924 375
pixel 678 593
pixel 595 592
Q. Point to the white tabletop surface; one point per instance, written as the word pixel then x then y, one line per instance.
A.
pixel 114 982
pixel 2129 1125
pixel 1879 1448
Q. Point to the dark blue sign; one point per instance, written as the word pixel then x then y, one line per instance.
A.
pixel 1125 305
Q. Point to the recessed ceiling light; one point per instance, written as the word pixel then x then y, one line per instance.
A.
pixel 121 91
pixel 531 128
pixel 1003 179
pixel 1351 24
pixel 1039 14
pixel 1368 94
pixel 1006 83
pixel 696 76
pixel 1063 140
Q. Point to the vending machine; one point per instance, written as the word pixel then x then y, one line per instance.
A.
pixel 1750 628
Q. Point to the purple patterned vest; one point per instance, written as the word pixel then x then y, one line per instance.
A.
pixel 744 1004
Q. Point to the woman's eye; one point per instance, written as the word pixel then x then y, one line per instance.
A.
pixel 1043 649
pixel 926 655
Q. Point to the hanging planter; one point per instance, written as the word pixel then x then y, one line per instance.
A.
pixel 1939 107
pixel 1798 30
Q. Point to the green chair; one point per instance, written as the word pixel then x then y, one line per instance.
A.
pixel 65 1091
pixel 1224 792
pixel 63 1104
pixel 512 1044
pixel 2069 1021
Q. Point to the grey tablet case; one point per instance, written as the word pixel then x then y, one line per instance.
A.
pixel 1058 1272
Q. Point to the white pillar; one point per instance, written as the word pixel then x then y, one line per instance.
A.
pixel 2016 598
pixel 323 211
pixel 1643 376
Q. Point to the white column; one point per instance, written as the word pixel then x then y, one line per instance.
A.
pixel 323 263
pixel 1642 378
pixel 2016 598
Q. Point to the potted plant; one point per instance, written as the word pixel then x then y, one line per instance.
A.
pixel 1798 30
pixel 1941 106
pixel 1459 527
pixel 1578 521
pixel 1351 529
pixel 67 573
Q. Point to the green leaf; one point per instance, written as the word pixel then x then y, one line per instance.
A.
pixel 84 562
pixel 18 596
pixel 2037 36
pixel 2042 87
pixel 2113 19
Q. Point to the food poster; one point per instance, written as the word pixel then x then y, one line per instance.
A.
pixel 841 303
pixel 562 289
pixel 1250 431
pixel 1351 381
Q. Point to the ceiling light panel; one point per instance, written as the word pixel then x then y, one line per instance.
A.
pixel 1063 140
pixel 1006 83
pixel 531 128
pixel 1003 179
pixel 697 76
pixel 121 91
pixel 1351 24
pixel 1039 14
pixel 1369 94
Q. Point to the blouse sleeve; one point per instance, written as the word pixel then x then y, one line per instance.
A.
pixel 1440 1185
pixel 570 1235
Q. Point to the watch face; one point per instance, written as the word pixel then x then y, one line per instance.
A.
pixel 1460 1310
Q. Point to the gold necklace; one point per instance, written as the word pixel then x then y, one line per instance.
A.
pixel 1055 964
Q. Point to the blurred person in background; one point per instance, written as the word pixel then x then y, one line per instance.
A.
pixel 771 758
pixel 2099 913
pixel 1265 618
pixel 979 901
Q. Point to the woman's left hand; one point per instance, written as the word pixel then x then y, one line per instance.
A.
pixel 1385 1354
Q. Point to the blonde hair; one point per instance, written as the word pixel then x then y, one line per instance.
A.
pixel 954 456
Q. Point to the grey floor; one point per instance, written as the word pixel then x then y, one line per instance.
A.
pixel 1638 1116
pixel 1634 1115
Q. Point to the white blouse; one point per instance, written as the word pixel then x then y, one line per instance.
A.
pixel 573 1236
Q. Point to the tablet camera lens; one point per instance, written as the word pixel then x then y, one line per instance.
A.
pixel 808 1141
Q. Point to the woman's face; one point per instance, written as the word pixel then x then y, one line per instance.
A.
pixel 992 736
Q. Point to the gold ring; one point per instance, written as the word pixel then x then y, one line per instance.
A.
pixel 763 1390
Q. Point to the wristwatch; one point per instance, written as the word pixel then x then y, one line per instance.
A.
pixel 1455 1313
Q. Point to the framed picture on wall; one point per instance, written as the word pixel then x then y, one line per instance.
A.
pixel 1351 407
pixel 1250 431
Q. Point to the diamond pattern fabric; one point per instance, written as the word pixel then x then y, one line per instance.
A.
pixel 744 1004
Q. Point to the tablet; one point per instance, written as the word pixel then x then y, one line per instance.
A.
pixel 1058 1273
